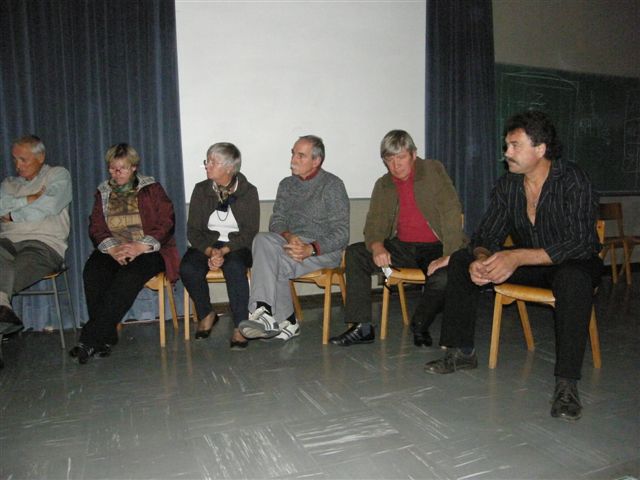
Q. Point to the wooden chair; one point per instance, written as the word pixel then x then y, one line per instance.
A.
pixel 507 293
pixel 213 276
pixel 399 277
pixel 613 212
pixel 53 290
pixel 323 278
pixel 159 283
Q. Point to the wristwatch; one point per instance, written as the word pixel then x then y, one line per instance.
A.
pixel 313 250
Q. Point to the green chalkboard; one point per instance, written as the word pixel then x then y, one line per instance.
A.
pixel 597 117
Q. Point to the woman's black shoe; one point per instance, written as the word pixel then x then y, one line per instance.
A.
pixel 84 352
pixel 420 339
pixel 238 345
pixel 205 333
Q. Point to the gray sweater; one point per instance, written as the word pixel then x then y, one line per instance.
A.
pixel 317 209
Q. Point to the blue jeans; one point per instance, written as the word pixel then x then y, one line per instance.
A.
pixel 193 271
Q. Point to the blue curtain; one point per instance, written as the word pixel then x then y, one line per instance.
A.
pixel 83 75
pixel 460 98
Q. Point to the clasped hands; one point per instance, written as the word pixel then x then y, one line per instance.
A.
pixel 216 258
pixel 127 252
pixel 296 248
pixel 493 268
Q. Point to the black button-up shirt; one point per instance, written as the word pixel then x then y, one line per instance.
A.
pixel 565 216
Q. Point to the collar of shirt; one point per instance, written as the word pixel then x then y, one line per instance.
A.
pixel 311 176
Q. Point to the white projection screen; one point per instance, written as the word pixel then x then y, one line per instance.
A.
pixel 261 73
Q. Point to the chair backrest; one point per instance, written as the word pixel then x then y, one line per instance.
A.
pixel 612 211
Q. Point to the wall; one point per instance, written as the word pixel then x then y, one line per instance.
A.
pixel 261 73
pixel 590 36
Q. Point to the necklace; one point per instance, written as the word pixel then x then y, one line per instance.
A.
pixel 532 197
pixel 222 219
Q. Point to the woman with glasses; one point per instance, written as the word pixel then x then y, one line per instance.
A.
pixel 224 216
pixel 131 226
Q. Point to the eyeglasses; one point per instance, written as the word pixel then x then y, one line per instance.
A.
pixel 119 169
pixel 212 162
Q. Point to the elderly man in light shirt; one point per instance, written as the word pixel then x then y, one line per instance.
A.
pixel 34 221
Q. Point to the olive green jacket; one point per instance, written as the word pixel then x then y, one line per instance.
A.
pixel 436 198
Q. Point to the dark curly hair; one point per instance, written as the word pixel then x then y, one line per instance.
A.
pixel 539 128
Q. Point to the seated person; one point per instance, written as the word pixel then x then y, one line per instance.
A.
pixel 414 221
pixel 131 226
pixel 549 208
pixel 224 216
pixel 34 221
pixel 308 231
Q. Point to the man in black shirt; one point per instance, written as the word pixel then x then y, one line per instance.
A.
pixel 549 209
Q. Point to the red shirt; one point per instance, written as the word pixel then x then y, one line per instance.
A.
pixel 412 226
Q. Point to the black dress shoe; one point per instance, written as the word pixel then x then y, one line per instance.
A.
pixel 420 339
pixel 7 315
pixel 205 333
pixel 452 361
pixel 354 336
pixel 566 403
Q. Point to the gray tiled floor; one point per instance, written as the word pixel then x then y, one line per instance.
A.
pixel 301 410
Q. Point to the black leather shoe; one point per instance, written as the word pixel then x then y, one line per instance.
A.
pixel 566 403
pixel 7 315
pixel 453 360
pixel 238 345
pixel 420 339
pixel 354 336
pixel 84 352
pixel 205 333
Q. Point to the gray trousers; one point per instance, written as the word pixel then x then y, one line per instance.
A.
pixel 272 269
pixel 22 264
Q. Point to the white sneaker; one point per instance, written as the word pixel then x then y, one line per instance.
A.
pixel 259 325
pixel 288 331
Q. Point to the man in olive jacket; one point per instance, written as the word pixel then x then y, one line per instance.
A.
pixel 414 221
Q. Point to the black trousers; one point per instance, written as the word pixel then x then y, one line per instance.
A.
pixel 572 283
pixel 360 267
pixel 193 271
pixel 110 290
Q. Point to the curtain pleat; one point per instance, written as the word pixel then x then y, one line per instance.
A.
pixel 83 75
pixel 460 126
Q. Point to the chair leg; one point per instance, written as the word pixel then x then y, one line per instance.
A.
pixel 187 314
pixel 161 317
pixel 627 261
pixel 56 296
pixel 595 339
pixel 526 326
pixel 73 312
pixel 403 304
pixel 495 331
pixel 326 314
pixel 614 265
pixel 385 312
pixel 343 288
pixel 172 305
pixel 297 309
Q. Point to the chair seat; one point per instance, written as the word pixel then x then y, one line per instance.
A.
pixel 408 275
pixel 323 278
pixel 526 293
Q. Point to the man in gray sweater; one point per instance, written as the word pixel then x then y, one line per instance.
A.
pixel 34 221
pixel 308 231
